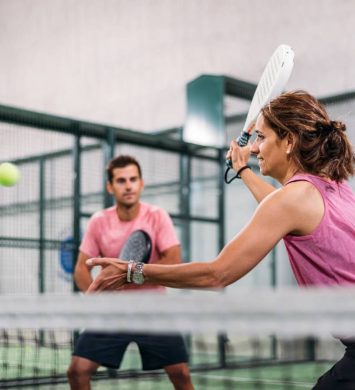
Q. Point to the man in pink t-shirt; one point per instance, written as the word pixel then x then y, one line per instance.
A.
pixel 105 236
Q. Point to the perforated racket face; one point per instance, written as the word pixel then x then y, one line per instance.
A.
pixel 138 247
pixel 272 81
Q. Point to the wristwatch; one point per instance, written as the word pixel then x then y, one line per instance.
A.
pixel 137 276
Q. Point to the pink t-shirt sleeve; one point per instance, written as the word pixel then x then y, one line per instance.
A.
pixel 89 244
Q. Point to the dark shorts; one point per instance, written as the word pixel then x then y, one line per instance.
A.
pixel 108 349
pixel 342 375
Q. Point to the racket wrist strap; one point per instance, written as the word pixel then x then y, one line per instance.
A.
pixel 241 170
pixel 129 271
pixel 237 175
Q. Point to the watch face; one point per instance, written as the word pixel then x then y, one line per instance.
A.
pixel 138 278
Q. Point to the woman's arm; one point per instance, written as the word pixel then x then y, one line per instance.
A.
pixel 275 217
pixel 256 185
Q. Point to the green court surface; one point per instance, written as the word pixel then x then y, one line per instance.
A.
pixel 32 362
pixel 288 376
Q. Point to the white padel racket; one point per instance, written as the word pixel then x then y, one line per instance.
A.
pixel 271 84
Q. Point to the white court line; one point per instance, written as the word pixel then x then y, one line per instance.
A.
pixel 264 381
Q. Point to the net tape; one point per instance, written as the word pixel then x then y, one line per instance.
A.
pixel 302 312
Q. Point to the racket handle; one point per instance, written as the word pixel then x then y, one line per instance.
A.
pixel 229 163
pixel 242 140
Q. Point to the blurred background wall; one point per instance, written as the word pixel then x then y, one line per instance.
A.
pixel 127 62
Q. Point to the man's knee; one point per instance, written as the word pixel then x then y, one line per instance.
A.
pixel 178 372
pixel 81 369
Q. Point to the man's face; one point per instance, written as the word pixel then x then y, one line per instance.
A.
pixel 126 186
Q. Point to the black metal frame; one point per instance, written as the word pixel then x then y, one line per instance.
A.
pixel 109 136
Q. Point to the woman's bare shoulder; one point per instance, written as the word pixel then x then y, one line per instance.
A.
pixel 298 203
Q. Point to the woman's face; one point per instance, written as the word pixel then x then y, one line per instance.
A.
pixel 271 152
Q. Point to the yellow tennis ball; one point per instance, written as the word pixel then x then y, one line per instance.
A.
pixel 9 174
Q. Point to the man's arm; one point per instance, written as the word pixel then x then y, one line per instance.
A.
pixel 171 255
pixel 82 274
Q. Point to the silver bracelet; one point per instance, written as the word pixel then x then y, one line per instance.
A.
pixel 129 270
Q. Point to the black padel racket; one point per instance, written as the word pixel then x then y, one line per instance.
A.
pixel 138 247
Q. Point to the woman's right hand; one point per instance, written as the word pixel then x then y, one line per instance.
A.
pixel 239 155
pixel 112 277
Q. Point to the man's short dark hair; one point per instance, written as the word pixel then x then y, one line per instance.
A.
pixel 121 162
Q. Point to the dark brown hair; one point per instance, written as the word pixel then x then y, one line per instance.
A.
pixel 121 162
pixel 320 145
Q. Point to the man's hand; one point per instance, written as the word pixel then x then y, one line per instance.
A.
pixel 113 275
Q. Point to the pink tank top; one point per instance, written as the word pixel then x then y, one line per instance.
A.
pixel 327 256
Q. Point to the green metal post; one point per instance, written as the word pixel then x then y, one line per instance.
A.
pixel 109 152
pixel 205 120
pixel 76 199
pixel 41 221
pixel 184 206
pixel 222 337
pixel 185 194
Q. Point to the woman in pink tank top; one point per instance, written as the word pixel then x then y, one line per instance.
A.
pixel 313 212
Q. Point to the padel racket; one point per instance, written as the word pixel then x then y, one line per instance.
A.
pixel 272 82
pixel 138 247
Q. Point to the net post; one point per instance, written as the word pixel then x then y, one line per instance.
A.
pixel 222 350
pixel 310 348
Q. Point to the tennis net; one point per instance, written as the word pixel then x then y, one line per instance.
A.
pixel 263 339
